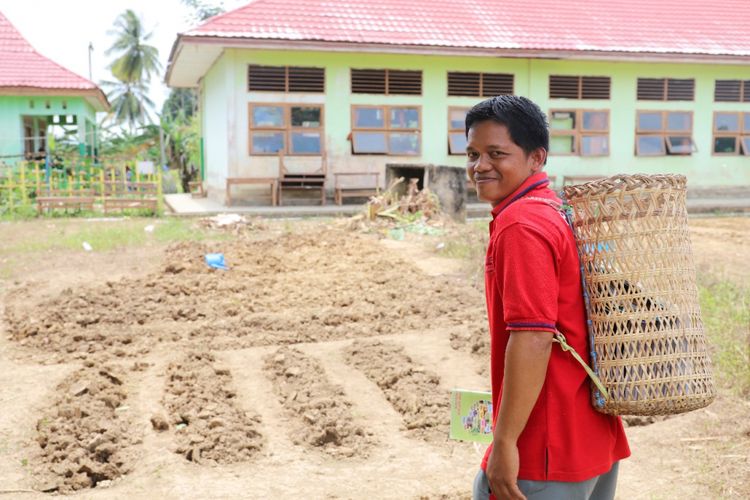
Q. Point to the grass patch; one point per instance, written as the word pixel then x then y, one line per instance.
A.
pixel 725 307
pixel 103 235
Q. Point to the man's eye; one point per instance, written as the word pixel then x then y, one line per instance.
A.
pixel 495 154
pixel 472 156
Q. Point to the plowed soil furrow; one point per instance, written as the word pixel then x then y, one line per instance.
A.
pixel 208 425
pixel 85 437
pixel 415 392
pixel 322 414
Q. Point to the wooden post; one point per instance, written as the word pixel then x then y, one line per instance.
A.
pixel 24 194
pixel 102 188
pixel 38 179
pixel 159 194
pixel 10 192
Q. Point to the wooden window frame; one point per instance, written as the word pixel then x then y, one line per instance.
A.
pixel 481 91
pixel 665 89
pixel 744 96
pixel 579 87
pixel 286 79
pixel 739 135
pixel 387 130
pixel 579 132
pixel 386 82
pixel 453 130
pixel 664 132
pixel 287 128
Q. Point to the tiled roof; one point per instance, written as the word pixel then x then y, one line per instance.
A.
pixel 23 67
pixel 631 26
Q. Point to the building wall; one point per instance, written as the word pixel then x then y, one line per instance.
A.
pixel 217 112
pixel 14 108
pixel 226 120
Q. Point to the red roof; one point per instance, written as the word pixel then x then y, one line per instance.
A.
pixel 630 26
pixel 22 67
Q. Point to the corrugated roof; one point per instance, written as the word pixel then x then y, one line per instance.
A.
pixel 632 26
pixel 22 67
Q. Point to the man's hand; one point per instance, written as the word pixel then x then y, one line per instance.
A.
pixel 502 472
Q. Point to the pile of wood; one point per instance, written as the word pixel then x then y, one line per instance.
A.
pixel 413 204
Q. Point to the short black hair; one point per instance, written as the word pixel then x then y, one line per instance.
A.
pixel 526 122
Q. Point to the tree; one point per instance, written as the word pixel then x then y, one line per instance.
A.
pixel 136 61
pixel 132 69
pixel 202 10
pixel 180 101
pixel 130 103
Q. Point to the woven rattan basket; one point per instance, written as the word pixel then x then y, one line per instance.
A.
pixel 648 345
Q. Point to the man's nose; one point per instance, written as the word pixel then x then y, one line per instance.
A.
pixel 483 162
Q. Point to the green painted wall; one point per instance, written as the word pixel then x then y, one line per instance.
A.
pixel 226 112
pixel 14 108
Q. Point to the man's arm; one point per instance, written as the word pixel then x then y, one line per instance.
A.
pixel 526 359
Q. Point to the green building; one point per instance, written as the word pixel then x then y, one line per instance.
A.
pixel 36 93
pixel 628 86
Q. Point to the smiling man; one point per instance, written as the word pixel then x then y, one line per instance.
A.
pixel 548 441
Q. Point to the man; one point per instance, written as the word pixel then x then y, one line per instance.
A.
pixel 548 441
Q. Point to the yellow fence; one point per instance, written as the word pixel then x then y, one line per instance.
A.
pixel 22 183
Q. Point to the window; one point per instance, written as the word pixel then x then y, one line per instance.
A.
pixel 294 129
pixel 732 91
pixel 392 130
pixel 659 133
pixel 386 82
pixel 580 132
pixel 666 89
pixel 285 79
pixel 731 133
pixel 579 87
pixel 479 84
pixel 457 131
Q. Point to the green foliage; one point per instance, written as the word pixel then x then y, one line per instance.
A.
pixel 107 235
pixel 134 64
pixel 130 102
pixel 136 61
pixel 181 104
pixel 726 316
pixel 203 10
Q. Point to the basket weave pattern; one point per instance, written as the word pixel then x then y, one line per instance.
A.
pixel 648 342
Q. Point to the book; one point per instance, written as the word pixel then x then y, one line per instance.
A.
pixel 471 416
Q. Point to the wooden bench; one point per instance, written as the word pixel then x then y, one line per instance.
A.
pixel 303 181
pixel 341 191
pixel 580 179
pixel 121 204
pixel 50 199
pixel 233 181
pixel 119 188
pixel 196 189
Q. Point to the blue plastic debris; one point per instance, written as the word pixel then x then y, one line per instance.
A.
pixel 216 260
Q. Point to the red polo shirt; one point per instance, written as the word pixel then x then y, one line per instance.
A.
pixel 533 282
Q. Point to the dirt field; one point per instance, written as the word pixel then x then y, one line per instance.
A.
pixel 318 365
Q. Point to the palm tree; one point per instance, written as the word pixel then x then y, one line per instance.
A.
pixel 130 103
pixel 136 61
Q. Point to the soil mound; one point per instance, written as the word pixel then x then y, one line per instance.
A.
pixel 84 437
pixel 322 414
pixel 412 390
pixel 209 426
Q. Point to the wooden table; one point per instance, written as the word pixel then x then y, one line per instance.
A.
pixel 271 181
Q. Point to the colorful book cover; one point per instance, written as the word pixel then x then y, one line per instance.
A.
pixel 471 416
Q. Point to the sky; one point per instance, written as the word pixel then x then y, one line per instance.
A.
pixel 62 30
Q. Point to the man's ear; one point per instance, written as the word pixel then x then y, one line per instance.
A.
pixel 537 159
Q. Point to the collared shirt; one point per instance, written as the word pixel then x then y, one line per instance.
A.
pixel 533 282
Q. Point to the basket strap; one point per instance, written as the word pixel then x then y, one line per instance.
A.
pixel 560 339
pixel 601 396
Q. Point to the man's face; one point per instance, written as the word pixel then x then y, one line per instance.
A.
pixel 496 164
